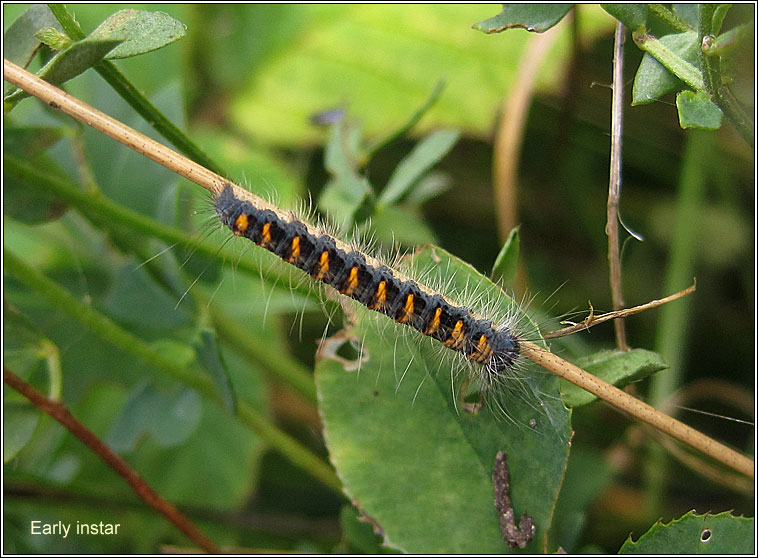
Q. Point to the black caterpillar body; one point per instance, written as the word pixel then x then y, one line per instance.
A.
pixel 374 286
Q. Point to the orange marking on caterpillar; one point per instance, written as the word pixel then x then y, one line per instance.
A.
pixel 294 250
pixel 266 235
pixel 456 336
pixel 240 225
pixel 434 324
pixel 323 266
pixel 483 350
pixel 380 296
pixel 352 282
pixel 407 309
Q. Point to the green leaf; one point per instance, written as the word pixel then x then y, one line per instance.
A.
pixel 359 532
pixel 19 40
pixel 430 186
pixel 140 31
pixel 404 52
pixel 69 63
pixel 696 110
pixel 615 367
pixel 424 155
pixel 168 416
pixel 22 202
pixel 20 420
pixel 221 452
pixel 532 17
pixel 506 263
pixel 720 534
pixel 633 16
pixel 411 457
pixel 718 17
pixel 653 79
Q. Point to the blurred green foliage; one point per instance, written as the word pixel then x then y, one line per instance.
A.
pixel 245 83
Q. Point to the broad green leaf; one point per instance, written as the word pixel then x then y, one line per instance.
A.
pixel 411 457
pixel 69 63
pixel 653 80
pixel 696 110
pixel 20 420
pixel 532 17
pixel 19 40
pixel 382 59
pixel 632 15
pixel 194 473
pixel 718 534
pixel 615 367
pixel 140 31
pixel 21 201
pixel 168 416
pixel 424 155
pixel 506 263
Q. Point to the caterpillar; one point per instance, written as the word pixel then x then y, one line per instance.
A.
pixel 372 284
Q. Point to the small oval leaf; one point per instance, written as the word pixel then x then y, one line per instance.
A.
pixel 140 30
pixel 615 367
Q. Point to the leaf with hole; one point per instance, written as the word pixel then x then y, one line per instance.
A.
pixel 715 534
pixel 411 456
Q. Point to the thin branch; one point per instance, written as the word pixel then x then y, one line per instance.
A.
pixel 638 409
pixel 614 187
pixel 215 183
pixel 59 412
pixel 593 320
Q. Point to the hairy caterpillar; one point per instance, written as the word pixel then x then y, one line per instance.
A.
pixel 372 284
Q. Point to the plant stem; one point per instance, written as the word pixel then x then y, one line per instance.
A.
pixel 636 408
pixel 614 186
pixel 719 92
